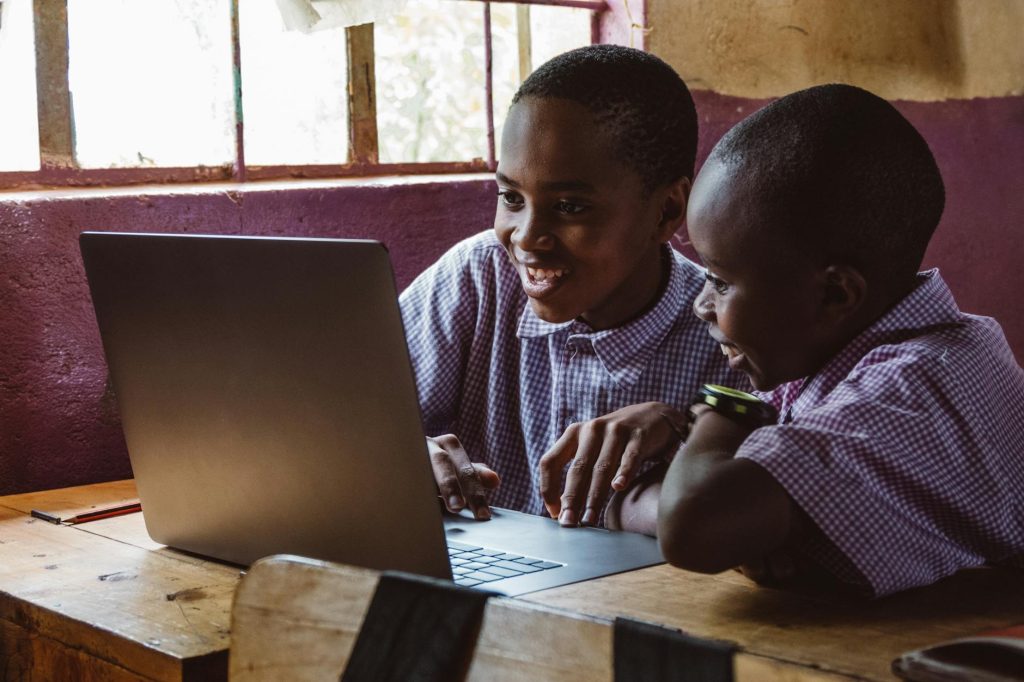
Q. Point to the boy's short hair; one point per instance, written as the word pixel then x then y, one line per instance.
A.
pixel 845 172
pixel 636 97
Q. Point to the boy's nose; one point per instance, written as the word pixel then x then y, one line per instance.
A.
pixel 532 234
pixel 703 305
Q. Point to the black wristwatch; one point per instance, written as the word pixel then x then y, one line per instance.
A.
pixel 739 406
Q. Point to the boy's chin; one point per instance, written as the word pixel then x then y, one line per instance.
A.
pixel 551 315
pixel 761 382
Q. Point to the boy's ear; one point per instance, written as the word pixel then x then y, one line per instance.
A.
pixel 845 291
pixel 673 208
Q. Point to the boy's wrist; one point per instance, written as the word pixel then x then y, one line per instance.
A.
pixel 739 406
pixel 711 430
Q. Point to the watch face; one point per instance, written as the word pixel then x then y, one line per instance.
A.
pixel 732 392
pixel 740 405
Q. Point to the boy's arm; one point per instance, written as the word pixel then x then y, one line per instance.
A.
pixel 636 508
pixel 439 312
pixel 717 512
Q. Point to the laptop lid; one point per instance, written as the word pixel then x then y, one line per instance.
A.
pixel 267 398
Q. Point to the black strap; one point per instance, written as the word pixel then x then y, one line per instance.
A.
pixel 650 653
pixel 416 628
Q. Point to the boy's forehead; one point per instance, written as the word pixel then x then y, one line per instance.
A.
pixel 557 141
pixel 719 200
pixel 728 222
pixel 533 120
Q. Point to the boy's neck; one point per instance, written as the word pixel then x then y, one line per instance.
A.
pixel 874 308
pixel 665 268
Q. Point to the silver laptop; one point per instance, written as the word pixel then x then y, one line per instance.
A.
pixel 269 406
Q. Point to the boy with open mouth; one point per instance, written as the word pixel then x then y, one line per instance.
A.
pixel 574 305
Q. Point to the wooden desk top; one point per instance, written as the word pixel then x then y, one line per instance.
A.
pixel 848 637
pixel 101 601
pixel 102 598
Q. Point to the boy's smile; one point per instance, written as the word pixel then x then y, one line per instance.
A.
pixel 576 223
pixel 762 302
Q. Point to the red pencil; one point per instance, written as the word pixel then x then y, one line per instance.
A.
pixel 97 514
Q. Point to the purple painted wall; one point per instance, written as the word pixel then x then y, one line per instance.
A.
pixel 59 425
pixel 58 422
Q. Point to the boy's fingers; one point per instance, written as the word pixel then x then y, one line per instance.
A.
pixel 473 491
pixel 775 568
pixel 487 476
pixel 551 465
pixel 456 476
pixel 446 477
pixel 601 477
pixel 630 461
pixel 577 479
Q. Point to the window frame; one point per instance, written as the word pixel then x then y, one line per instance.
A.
pixel 58 166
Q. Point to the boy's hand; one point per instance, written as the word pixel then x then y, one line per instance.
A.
pixel 606 453
pixel 460 481
pixel 773 569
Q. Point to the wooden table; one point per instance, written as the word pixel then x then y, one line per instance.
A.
pixel 101 601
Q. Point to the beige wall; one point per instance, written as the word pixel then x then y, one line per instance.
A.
pixel 922 50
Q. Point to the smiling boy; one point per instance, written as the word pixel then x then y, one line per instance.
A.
pixel 574 306
pixel 898 456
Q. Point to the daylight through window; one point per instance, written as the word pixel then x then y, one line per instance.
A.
pixel 120 92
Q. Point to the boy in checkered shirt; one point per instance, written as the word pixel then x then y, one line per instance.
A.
pixel 897 457
pixel 574 305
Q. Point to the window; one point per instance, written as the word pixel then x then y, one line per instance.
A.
pixel 193 90
pixel 19 134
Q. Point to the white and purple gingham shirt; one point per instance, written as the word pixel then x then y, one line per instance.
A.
pixel 508 384
pixel 907 448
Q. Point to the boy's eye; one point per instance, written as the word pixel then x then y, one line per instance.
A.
pixel 719 285
pixel 568 207
pixel 510 199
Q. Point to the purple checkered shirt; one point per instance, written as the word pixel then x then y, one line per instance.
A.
pixel 907 448
pixel 508 384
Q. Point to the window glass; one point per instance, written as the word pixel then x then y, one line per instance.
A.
pixel 151 82
pixel 554 30
pixel 547 31
pixel 19 129
pixel 505 64
pixel 430 83
pixel 294 90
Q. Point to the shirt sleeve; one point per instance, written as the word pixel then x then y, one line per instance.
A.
pixel 439 311
pixel 888 478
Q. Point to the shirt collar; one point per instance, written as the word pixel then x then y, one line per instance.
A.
pixel 626 350
pixel 928 306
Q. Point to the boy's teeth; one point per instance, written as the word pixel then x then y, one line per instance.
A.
pixel 729 350
pixel 542 274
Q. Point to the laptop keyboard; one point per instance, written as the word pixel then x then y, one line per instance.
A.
pixel 473 565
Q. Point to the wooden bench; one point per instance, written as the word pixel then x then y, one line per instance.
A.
pixel 298 619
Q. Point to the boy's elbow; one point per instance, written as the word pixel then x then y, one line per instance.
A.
pixel 688 540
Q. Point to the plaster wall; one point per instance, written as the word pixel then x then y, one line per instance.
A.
pixel 924 50
pixel 59 423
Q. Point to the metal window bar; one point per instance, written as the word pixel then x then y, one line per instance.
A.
pixel 58 167
pixel 236 77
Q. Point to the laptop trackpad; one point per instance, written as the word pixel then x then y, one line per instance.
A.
pixel 584 552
